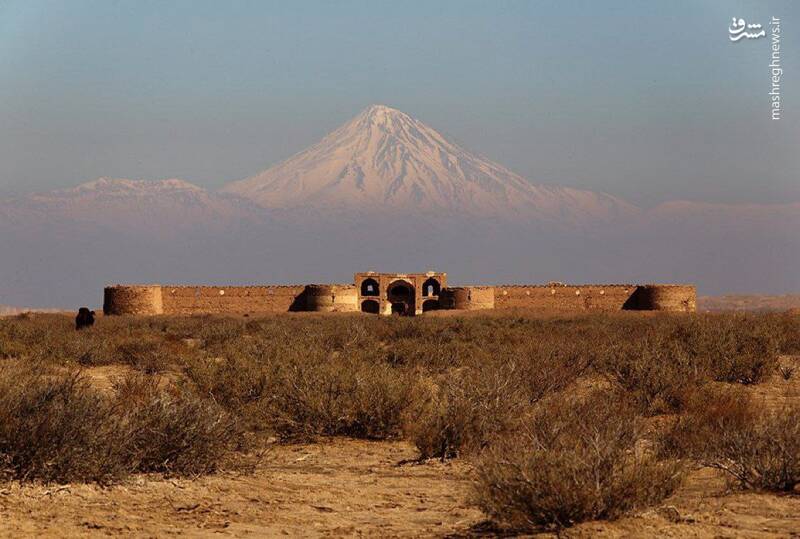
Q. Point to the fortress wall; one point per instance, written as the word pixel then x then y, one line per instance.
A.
pixel 564 298
pixel 133 299
pixel 665 297
pixel 332 298
pixel 233 299
pixel 468 298
pixel 614 297
pixel 157 299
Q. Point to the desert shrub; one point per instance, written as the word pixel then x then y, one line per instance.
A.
pixel 783 328
pixel 172 432
pixel 11 349
pixel 708 414
pixel 550 366
pixel 667 358
pixel 217 331
pixel 147 355
pixel 576 460
pixel 757 448
pixel 299 393
pixel 738 349
pixel 465 410
pixel 656 371
pixel 435 344
pixel 787 327
pixel 339 396
pixel 434 355
pixel 762 454
pixel 55 427
pixel 453 385
pixel 240 384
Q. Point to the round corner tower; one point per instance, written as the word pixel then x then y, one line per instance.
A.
pixel 133 299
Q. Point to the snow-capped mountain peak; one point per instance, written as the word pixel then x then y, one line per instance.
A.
pixel 385 160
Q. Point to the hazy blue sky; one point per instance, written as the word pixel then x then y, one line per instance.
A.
pixel 645 100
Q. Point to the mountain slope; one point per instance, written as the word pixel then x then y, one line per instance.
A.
pixel 130 205
pixel 384 160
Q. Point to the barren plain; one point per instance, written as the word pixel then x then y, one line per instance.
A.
pixel 319 470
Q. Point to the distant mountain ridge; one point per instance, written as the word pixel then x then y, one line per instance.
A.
pixel 130 204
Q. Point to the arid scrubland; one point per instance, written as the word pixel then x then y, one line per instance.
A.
pixel 563 420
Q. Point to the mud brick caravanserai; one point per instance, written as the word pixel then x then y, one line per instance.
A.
pixel 394 293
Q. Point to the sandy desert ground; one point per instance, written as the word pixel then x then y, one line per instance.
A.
pixel 341 487
pixel 344 488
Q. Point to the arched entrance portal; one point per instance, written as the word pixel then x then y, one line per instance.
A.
pixel 401 296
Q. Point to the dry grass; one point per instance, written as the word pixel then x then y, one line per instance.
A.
pixel 498 389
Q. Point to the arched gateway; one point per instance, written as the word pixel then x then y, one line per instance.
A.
pixel 405 294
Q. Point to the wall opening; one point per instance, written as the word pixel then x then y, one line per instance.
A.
pixel 430 305
pixel 369 287
pixel 401 296
pixel 431 287
pixel 400 291
pixel 370 306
